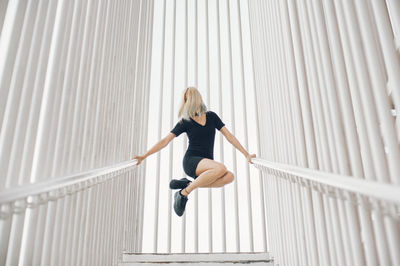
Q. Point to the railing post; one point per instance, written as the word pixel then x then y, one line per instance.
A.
pixel 221 143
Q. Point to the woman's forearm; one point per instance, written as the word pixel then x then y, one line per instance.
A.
pixel 158 146
pixel 235 142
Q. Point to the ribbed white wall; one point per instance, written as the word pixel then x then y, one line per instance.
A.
pixel 206 44
pixel 328 89
pixel 74 77
pixel 74 96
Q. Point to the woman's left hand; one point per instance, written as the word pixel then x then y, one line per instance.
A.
pixel 249 157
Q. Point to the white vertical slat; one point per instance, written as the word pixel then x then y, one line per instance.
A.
pixel 325 63
pixel 283 138
pixel 196 84
pixel 393 10
pixel 100 115
pixel 221 143
pixel 232 104
pixel 8 127
pixel 298 134
pixel 10 35
pixel 295 224
pixel 263 14
pixel 388 132
pixel 246 139
pixel 322 133
pixel 16 22
pixel 378 81
pixel 368 164
pixel 3 9
pixel 148 43
pixel 389 52
pixel 40 145
pixel 171 150
pixel 48 107
pixel 89 136
pixel 209 190
pixel 157 186
pixel 133 243
pixel 257 80
pixel 257 126
pixel 47 212
pixel 185 139
pixel 342 158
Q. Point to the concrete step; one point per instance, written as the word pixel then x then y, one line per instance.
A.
pixel 181 259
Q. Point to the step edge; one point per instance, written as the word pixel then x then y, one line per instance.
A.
pixel 196 257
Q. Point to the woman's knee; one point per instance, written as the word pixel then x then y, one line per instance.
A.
pixel 220 169
pixel 229 177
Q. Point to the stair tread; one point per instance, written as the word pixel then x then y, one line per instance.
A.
pixel 257 263
pixel 225 258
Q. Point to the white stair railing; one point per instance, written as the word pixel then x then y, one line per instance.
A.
pixel 289 187
pixel 327 78
pixel 92 235
pixel 74 78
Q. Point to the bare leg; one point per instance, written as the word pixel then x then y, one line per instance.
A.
pixel 225 179
pixel 208 172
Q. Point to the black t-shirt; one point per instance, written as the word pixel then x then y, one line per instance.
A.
pixel 201 138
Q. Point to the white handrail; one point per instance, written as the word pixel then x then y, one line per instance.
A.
pixel 24 191
pixel 387 192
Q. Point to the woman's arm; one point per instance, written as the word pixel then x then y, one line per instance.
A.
pixel 158 146
pixel 235 142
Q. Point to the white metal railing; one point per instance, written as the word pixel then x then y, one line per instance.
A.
pixel 55 188
pixel 327 78
pixel 74 78
pixel 348 187
pixel 98 228
pixel 287 188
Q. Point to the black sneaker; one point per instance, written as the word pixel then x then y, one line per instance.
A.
pixel 179 203
pixel 179 184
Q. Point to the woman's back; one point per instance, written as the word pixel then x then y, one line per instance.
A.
pixel 201 137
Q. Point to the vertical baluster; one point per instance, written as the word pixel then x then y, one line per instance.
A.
pixel 157 186
pixel 209 191
pixel 196 84
pixel 171 150
pixel 245 126
pixel 233 128
pixel 20 20
pixel 257 126
pixel 221 143
pixel 185 139
pixel 148 45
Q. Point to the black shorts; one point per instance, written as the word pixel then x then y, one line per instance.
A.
pixel 190 164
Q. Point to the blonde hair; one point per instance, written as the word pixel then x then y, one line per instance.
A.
pixel 192 104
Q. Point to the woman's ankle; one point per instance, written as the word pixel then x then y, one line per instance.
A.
pixel 184 192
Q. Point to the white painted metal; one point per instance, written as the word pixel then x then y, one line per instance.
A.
pixel 185 139
pixel 67 93
pixel 160 104
pixel 319 71
pixel 214 258
pixel 172 97
pixel 199 263
pixel 197 235
pixel 74 99
pixel 221 143
pixel 246 138
pixel 233 126
pixel 196 84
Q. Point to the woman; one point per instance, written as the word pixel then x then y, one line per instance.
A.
pixel 198 162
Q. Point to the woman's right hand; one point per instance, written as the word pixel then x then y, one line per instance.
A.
pixel 138 158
